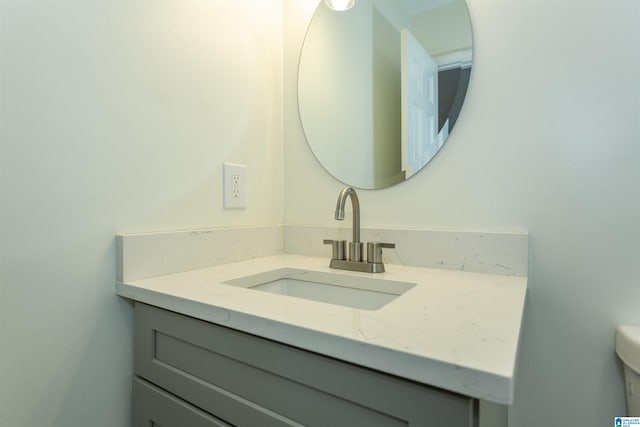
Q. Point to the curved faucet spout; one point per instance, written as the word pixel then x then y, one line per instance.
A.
pixel 355 205
pixel 355 261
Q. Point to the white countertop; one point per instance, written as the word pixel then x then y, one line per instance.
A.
pixel 454 330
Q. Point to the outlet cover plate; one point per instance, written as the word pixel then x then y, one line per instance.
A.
pixel 234 184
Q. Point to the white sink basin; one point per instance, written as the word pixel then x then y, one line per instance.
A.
pixel 359 292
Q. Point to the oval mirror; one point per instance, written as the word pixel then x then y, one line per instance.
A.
pixel 381 85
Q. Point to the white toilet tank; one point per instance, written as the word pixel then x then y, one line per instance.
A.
pixel 628 349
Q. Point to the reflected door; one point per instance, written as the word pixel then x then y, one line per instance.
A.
pixel 419 104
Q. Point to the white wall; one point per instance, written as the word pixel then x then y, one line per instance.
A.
pixel 387 98
pixel 548 142
pixel 323 78
pixel 444 29
pixel 116 116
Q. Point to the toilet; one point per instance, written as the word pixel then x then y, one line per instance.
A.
pixel 628 349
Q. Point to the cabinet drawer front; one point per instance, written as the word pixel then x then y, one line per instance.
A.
pixel 155 407
pixel 251 381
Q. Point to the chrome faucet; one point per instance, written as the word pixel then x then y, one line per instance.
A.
pixel 355 247
pixel 373 264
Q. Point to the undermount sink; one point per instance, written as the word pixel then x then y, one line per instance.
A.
pixel 363 293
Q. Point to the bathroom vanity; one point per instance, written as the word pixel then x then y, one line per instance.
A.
pixel 212 349
pixel 246 380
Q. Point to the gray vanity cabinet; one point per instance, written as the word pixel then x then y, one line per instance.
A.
pixel 194 373
pixel 155 407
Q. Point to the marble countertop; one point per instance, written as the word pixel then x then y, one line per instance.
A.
pixel 454 330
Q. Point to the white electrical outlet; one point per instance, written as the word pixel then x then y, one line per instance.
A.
pixel 234 183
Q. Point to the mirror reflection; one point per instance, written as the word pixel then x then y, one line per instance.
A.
pixel 381 85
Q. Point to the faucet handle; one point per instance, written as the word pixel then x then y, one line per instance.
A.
pixel 338 248
pixel 374 251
